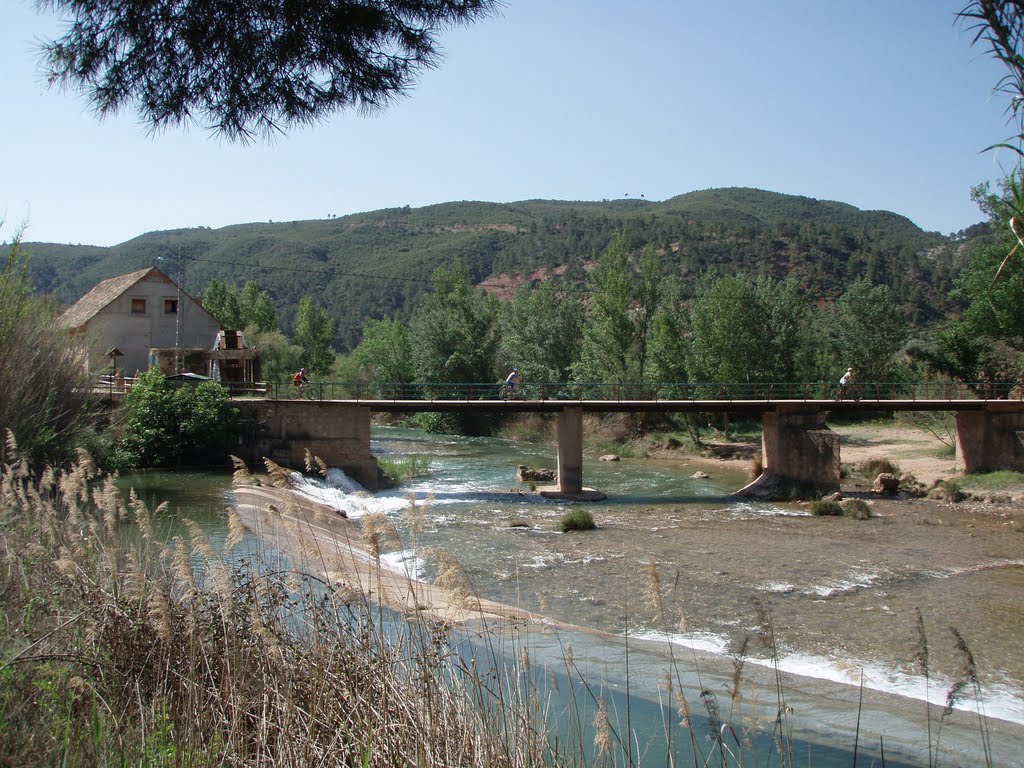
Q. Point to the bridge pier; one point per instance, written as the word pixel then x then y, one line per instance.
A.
pixel 800 455
pixel 337 433
pixel 990 439
pixel 569 430
pixel 570 450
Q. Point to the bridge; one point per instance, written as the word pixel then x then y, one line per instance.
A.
pixel 800 454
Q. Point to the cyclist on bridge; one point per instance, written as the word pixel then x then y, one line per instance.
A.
pixel 844 382
pixel 300 381
pixel 511 381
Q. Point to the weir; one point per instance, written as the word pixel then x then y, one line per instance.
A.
pixel 800 454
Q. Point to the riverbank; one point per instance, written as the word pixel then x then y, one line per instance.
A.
pixel 842 593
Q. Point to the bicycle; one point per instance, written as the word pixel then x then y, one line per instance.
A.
pixel 853 392
pixel 307 391
pixel 509 392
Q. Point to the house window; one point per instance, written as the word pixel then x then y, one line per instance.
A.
pixel 170 306
pixel 138 306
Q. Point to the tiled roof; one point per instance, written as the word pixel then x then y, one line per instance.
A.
pixel 87 307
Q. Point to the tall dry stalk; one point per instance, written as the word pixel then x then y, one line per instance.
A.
pixel 120 649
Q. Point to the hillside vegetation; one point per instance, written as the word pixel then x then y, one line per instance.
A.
pixel 377 264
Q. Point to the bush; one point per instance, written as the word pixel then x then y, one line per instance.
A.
pixel 947 490
pixel 43 384
pixel 576 520
pixel 858 509
pixel 824 508
pixel 167 425
pixel 872 468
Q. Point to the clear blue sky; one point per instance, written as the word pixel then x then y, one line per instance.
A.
pixel 883 104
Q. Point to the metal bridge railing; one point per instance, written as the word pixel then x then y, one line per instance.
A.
pixel 656 391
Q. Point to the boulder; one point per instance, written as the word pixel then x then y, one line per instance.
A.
pixel 527 474
pixel 699 475
pixel 837 496
pixel 886 484
pixel 610 457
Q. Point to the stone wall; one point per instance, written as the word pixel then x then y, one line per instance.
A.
pixel 283 430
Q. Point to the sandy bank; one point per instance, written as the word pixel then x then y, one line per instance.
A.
pixel 335 547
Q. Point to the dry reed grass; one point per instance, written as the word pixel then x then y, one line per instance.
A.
pixel 118 650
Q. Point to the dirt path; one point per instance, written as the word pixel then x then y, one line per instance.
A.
pixel 917 451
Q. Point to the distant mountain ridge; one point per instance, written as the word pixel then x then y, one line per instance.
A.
pixel 378 264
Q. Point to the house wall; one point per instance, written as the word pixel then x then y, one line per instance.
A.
pixel 141 319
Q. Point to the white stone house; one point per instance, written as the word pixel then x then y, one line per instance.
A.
pixel 139 313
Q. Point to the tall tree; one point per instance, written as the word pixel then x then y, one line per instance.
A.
pixel 726 343
pixel 869 331
pixel 256 308
pixel 986 342
pixel 745 330
pixel 541 330
pixel 279 358
pixel 245 69
pixel 44 388
pixel 453 331
pixel 623 304
pixel 384 356
pixel 314 330
pixel 668 346
pixel 221 301
pixel 239 309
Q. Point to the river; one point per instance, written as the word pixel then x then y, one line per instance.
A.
pixel 677 570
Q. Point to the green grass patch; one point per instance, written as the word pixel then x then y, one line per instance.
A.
pixel 857 509
pixel 399 470
pixel 528 428
pixel 1003 480
pixel 576 520
pixel 823 508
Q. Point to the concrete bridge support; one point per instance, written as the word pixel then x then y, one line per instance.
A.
pixel 282 430
pixel 570 450
pixel 991 439
pixel 800 455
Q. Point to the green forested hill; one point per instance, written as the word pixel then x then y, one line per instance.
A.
pixel 377 264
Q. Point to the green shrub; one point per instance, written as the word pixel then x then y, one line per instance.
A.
pixel 169 424
pixel 43 385
pixel 947 490
pixel 824 508
pixel 872 468
pixel 858 509
pixel 576 520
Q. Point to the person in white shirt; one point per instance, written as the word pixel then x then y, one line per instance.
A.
pixel 844 382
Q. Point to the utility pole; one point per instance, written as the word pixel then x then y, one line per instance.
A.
pixel 177 315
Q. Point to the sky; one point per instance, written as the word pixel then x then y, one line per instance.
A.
pixel 882 104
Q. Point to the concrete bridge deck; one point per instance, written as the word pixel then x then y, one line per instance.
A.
pixel 800 454
pixel 666 406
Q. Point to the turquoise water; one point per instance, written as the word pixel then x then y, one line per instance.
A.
pixel 841 597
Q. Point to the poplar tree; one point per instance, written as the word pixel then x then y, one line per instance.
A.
pixel 314 330
pixel 623 304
